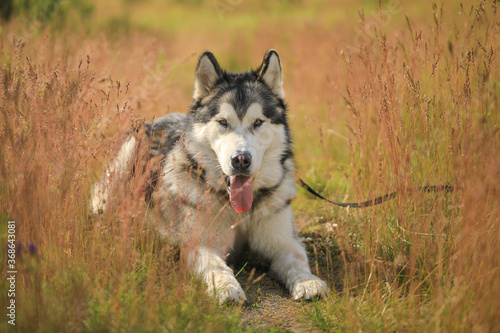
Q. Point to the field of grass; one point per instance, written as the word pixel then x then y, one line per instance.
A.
pixel 383 96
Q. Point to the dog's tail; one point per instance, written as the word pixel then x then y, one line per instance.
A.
pixel 114 172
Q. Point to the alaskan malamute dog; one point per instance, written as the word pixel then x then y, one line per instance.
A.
pixel 227 178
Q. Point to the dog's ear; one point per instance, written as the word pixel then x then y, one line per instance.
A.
pixel 207 73
pixel 270 73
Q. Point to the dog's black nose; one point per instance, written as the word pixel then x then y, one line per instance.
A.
pixel 241 161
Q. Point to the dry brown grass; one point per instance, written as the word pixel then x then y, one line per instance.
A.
pixel 414 102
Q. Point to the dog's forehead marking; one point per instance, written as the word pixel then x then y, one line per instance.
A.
pixel 254 111
pixel 227 111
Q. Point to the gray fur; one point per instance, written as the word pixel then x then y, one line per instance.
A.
pixel 231 113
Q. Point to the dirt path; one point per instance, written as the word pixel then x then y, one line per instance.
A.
pixel 269 304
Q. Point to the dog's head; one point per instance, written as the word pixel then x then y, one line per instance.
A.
pixel 240 120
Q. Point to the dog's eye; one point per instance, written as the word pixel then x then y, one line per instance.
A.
pixel 223 122
pixel 257 123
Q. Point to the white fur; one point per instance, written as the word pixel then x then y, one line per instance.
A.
pixel 202 221
pixel 269 230
pixel 210 229
pixel 267 140
pixel 222 284
pixel 116 170
pixel 206 75
pixel 273 75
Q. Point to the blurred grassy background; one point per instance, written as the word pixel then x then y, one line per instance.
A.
pixel 383 96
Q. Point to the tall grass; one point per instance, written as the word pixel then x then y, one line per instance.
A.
pixel 415 103
pixel 108 273
pixel 424 110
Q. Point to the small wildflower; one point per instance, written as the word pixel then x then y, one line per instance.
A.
pixel 32 248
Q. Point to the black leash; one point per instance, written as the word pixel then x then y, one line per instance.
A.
pixel 377 200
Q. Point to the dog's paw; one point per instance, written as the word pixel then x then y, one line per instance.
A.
pixel 225 288
pixel 309 287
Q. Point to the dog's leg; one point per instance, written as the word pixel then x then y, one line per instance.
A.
pixel 211 267
pixel 276 240
pixel 115 171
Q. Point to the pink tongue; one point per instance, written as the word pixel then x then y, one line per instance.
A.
pixel 241 195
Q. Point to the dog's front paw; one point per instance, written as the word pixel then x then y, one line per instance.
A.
pixel 225 288
pixel 308 287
